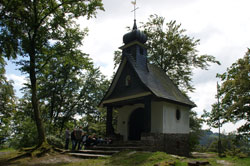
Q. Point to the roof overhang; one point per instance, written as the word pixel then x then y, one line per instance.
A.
pixel 110 101
pixel 132 43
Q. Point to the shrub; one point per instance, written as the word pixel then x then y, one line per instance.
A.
pixel 55 141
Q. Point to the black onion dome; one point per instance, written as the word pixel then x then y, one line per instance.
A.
pixel 134 35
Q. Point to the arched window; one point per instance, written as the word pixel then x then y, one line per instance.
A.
pixel 128 80
pixel 178 114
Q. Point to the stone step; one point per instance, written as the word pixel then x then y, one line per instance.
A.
pixel 88 156
pixel 95 151
pixel 116 148
pixel 125 144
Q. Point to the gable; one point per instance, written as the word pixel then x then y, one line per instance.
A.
pixel 127 84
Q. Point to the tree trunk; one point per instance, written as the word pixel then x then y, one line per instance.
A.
pixel 37 115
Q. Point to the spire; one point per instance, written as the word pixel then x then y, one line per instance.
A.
pixel 135 8
pixel 135 26
pixel 135 34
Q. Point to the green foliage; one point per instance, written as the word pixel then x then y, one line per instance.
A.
pixel 195 134
pixel 232 144
pixel 96 123
pixel 25 134
pixel 234 94
pixel 55 141
pixel 7 104
pixel 35 31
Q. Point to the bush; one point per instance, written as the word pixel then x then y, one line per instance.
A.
pixel 55 141
pixel 236 152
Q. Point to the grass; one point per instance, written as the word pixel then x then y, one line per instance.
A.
pixel 96 162
pixel 125 158
pixel 239 161
pixel 7 150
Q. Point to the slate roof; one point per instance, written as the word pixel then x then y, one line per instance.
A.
pixel 159 83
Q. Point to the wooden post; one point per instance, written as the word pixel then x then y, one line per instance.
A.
pixel 147 107
pixel 109 126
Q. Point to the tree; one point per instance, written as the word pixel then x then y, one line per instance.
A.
pixel 62 81
pixel 7 103
pixel 71 90
pixel 196 132
pixel 23 129
pixel 29 29
pixel 173 51
pixel 234 95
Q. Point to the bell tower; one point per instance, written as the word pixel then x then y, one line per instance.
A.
pixel 134 47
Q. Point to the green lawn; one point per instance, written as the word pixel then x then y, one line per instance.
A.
pixel 126 158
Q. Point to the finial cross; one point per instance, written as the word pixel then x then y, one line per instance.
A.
pixel 135 8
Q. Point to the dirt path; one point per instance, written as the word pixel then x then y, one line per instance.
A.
pixel 203 155
pixel 211 155
pixel 47 160
pixel 4 153
pixel 223 162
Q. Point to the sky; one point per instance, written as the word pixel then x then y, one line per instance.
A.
pixel 223 27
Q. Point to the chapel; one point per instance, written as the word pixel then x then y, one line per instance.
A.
pixel 151 108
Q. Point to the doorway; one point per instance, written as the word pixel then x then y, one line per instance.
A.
pixel 136 124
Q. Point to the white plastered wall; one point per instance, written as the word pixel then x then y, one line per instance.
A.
pixel 157 117
pixel 170 122
pixel 123 119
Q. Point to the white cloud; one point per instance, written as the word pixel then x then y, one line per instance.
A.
pixel 204 96
pixel 19 82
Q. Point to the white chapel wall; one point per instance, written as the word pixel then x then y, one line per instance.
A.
pixel 170 122
pixel 123 119
pixel 157 117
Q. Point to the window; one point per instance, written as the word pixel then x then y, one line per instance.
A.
pixel 178 114
pixel 128 80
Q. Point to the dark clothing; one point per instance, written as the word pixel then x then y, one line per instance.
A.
pixel 78 136
pixel 73 135
pixel 67 137
pixel 67 144
pixel 73 139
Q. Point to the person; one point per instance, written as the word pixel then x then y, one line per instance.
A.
pixel 84 138
pixel 78 136
pixel 100 140
pixel 73 139
pixel 88 142
pixel 94 140
pixel 67 137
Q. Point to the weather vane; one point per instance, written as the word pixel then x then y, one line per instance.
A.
pixel 135 8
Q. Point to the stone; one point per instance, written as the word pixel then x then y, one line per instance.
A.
pixel 192 163
pixel 198 163
pixel 202 163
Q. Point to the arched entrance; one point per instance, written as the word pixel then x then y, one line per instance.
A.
pixel 136 124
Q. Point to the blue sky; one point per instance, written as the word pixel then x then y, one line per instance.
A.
pixel 223 26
